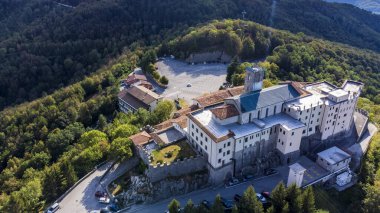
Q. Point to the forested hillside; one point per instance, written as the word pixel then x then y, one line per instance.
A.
pixel 45 46
pixel 370 5
pixel 47 144
pixel 292 57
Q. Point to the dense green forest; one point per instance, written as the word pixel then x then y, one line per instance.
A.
pixel 45 46
pixel 47 144
pixel 292 57
pixel 370 5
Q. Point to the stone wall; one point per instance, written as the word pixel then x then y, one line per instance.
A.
pixel 216 56
pixel 175 169
pixel 220 175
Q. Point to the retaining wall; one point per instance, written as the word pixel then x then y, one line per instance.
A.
pixel 177 168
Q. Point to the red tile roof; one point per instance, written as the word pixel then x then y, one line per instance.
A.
pixel 143 94
pixel 218 96
pixel 133 78
pixel 141 138
pixel 225 111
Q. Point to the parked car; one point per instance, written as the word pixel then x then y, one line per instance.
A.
pixel 104 200
pixel 266 195
pixel 233 181
pixel 99 194
pixel 189 85
pixel 206 204
pixel 270 172
pixel 261 198
pixel 105 210
pixel 228 204
pixel 248 177
pixel 237 198
pixel 53 208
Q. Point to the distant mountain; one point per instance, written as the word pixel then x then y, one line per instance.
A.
pixel 370 5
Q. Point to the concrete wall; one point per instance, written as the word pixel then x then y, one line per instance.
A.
pixel 175 169
pixel 219 175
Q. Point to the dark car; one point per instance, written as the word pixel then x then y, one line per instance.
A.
pixel 248 177
pixel 237 198
pixel 227 204
pixel 266 195
pixel 206 204
pixel 99 194
pixel 270 172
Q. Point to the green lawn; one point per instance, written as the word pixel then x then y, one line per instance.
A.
pixel 173 152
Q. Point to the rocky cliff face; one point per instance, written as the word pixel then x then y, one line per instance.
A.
pixel 143 191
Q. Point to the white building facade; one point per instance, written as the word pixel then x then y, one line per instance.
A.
pixel 276 119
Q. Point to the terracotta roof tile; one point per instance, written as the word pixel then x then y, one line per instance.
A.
pixel 225 111
pixel 181 121
pixel 143 94
pixel 218 96
pixel 133 78
pixel 141 138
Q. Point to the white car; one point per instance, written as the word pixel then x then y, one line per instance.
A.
pixel 53 208
pixel 261 198
pixel 104 200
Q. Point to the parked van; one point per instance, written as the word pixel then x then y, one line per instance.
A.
pixel 53 208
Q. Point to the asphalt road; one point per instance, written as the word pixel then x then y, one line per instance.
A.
pixel 263 184
pixel 204 78
pixel 81 199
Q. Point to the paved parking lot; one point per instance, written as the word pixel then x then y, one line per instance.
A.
pixel 204 78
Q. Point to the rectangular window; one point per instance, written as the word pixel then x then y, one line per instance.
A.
pixel 205 147
pixel 229 144
pixel 290 144
pixel 228 152
pixel 201 134
pixel 219 160
pixel 304 131
pixel 206 139
pixel 220 150
pixel 292 133
pixel 192 126
pixel 196 130
pixel 310 129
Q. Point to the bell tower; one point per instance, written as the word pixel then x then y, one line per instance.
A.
pixel 254 77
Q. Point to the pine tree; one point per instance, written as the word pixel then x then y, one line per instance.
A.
pixel 270 210
pixel 231 69
pixel 249 203
pixel 189 208
pixel 235 209
pixel 217 207
pixel 308 202
pixel 279 197
pixel 286 208
pixel 174 206
pixel 294 198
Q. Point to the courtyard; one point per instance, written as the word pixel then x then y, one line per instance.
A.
pixel 172 152
pixel 188 81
